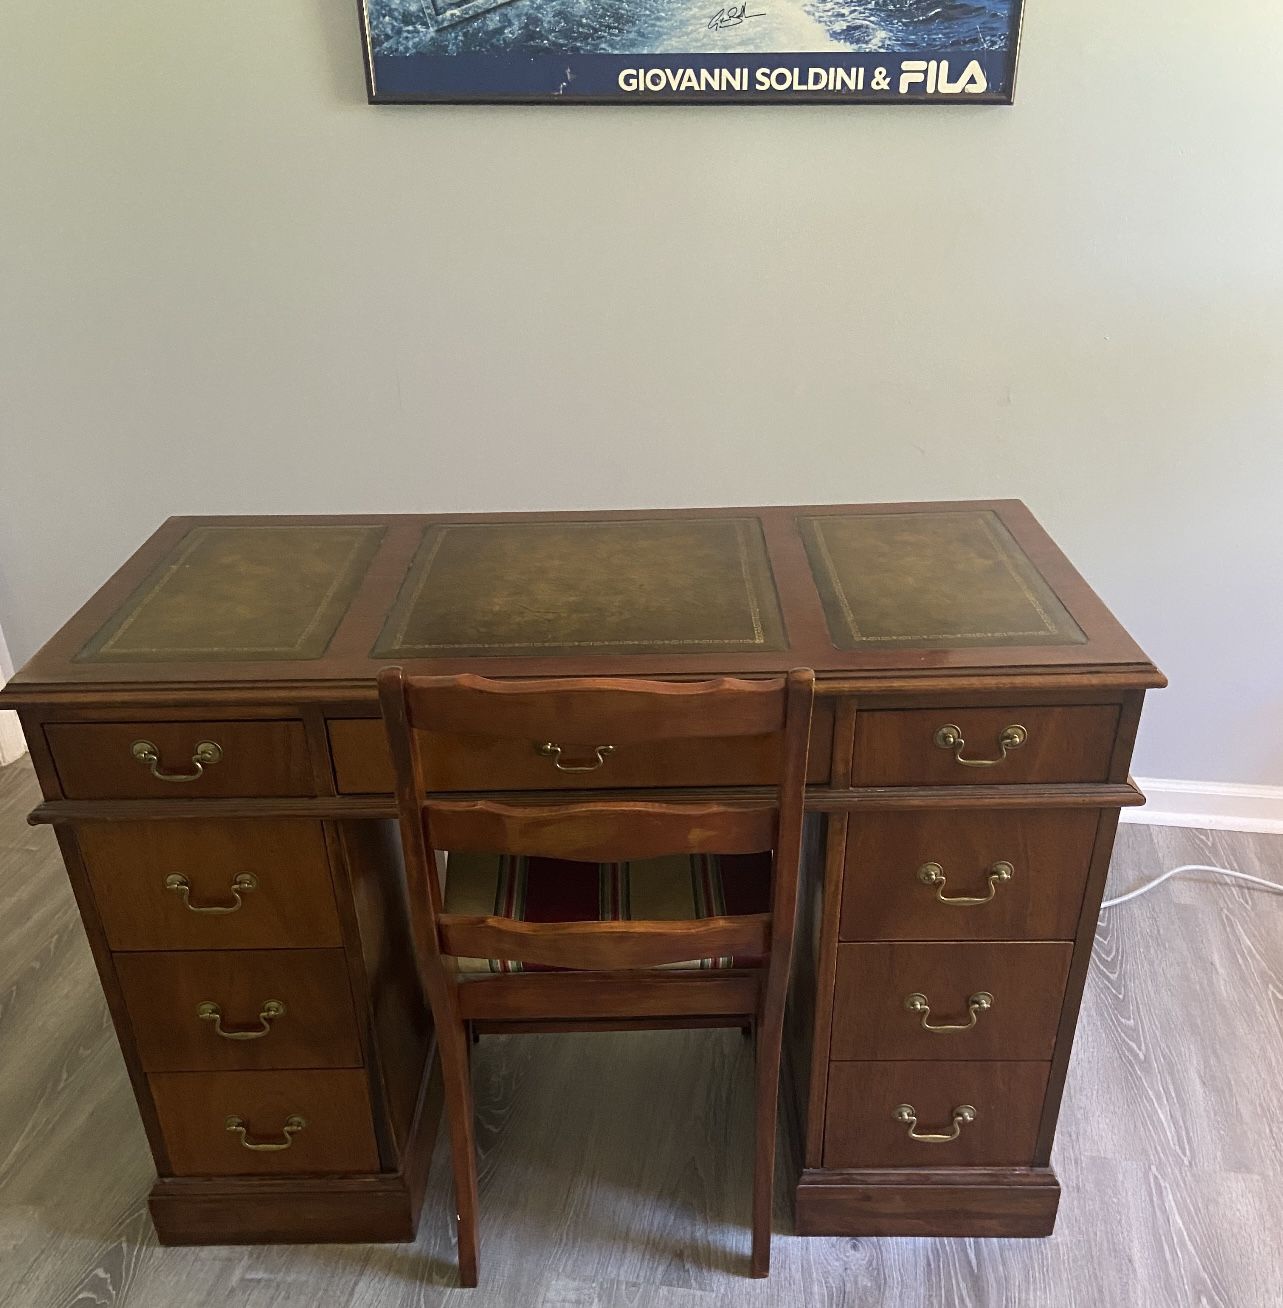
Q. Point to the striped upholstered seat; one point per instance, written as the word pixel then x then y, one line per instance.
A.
pixel 681 886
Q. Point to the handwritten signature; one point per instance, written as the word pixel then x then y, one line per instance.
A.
pixel 732 16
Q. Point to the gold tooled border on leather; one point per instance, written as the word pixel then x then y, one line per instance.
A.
pixel 176 578
pixel 1050 623
pixel 762 614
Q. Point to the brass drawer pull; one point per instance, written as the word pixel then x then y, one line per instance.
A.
pixel 932 874
pixel 950 737
pixel 242 883
pixel 207 753
pixel 293 1125
pixel 552 751
pixel 908 1115
pixel 980 1002
pixel 208 1011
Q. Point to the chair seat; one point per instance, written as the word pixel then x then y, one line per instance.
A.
pixel 679 887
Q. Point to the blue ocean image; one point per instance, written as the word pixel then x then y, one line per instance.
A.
pixel 458 27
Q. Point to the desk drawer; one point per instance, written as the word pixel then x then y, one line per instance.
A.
pixel 966 874
pixel 245 884
pixel 948 1001
pixel 273 1008
pixel 983 746
pixel 362 764
pixel 862 1128
pixel 180 760
pixel 328 1115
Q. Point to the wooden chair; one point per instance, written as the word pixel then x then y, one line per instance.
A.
pixel 613 973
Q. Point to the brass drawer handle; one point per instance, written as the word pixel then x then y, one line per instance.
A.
pixel 980 1002
pixel 552 751
pixel 932 874
pixel 242 883
pixel 208 752
pixel 293 1125
pixel 950 737
pixel 208 1011
pixel 908 1115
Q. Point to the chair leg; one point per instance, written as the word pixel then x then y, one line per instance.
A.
pixel 769 1039
pixel 452 1043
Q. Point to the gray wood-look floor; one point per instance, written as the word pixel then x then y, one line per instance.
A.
pixel 615 1168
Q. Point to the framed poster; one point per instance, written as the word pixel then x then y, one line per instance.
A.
pixel 691 51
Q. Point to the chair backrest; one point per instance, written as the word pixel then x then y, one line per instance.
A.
pixel 594 828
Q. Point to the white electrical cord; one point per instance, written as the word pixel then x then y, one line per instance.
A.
pixel 1189 867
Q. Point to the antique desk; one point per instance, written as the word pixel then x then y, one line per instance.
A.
pixel 206 737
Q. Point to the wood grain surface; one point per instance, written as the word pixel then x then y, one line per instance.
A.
pixel 606 1173
pixel 860 1129
pixel 316 1026
pixel 897 747
pixel 1022 981
pixel 1048 850
pixel 362 764
pixel 258 759
pixel 291 905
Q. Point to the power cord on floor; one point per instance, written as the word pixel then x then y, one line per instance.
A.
pixel 1189 867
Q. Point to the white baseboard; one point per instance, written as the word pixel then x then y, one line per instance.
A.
pixel 12 744
pixel 1212 805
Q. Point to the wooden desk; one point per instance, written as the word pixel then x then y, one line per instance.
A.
pixel 206 736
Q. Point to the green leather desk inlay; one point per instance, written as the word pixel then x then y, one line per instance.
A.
pixel 241 593
pixel 688 585
pixel 931 580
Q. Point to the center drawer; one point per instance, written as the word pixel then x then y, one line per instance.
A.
pixel 948 1001
pixel 362 764
pixel 244 1008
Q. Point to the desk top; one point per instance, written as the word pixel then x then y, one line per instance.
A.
pixel 304 605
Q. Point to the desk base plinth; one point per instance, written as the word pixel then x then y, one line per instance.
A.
pixel 973 1201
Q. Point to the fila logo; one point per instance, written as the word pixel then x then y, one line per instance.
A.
pixel 934 75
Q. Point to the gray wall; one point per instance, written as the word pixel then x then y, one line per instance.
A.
pixel 229 285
